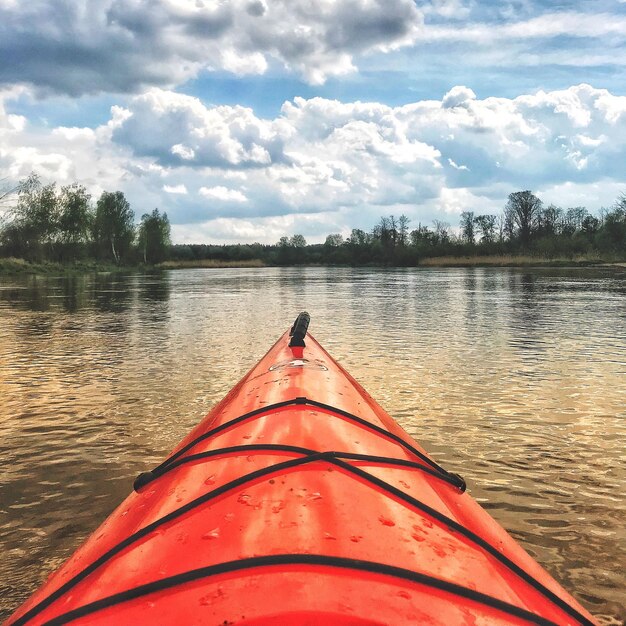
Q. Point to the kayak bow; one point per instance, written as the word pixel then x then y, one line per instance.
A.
pixel 298 500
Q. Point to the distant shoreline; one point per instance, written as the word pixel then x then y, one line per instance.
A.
pixel 518 261
pixel 208 263
pixel 12 266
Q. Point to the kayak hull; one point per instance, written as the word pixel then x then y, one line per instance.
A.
pixel 299 500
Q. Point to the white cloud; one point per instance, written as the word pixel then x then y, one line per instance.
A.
pixel 192 134
pixel 548 25
pixel 90 46
pixel 177 189
pixel 222 193
pixel 456 166
pixel 324 164
pixel 261 229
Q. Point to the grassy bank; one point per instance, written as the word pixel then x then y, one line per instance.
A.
pixel 515 261
pixel 19 266
pixel 12 265
pixel 209 263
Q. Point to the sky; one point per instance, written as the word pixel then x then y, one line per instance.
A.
pixel 247 120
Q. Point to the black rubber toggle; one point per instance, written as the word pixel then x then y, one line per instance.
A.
pixel 143 479
pixel 298 330
pixel 300 400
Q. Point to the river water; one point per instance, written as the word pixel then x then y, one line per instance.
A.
pixel 516 379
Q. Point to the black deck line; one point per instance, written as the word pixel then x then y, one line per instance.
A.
pixel 299 560
pixel 146 530
pixel 292 463
pixel 468 534
pixel 454 478
pixel 149 477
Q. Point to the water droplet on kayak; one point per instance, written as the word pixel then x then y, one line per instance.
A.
pixel 439 551
pixel 404 594
pixel 213 534
pixel 427 523
pixel 356 538
pixel 125 513
pixel 405 484
pixel 278 506
pixel 244 498
pixel 210 480
pixel 329 536
pixel 229 517
pixel 247 436
pixel 249 459
pixel 418 537
pixel 314 496
pixel 385 521
pixel 150 605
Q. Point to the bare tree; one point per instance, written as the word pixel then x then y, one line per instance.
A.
pixel 403 230
pixel 442 231
pixel 522 211
pixel 467 226
pixel 7 193
pixel 486 225
pixel 393 230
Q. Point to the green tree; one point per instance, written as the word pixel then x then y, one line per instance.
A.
pixel 36 217
pixel 612 235
pixel 154 237
pixel 75 219
pixel 113 229
pixel 421 236
pixel 297 241
pixel 333 241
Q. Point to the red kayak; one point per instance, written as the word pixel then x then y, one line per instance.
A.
pixel 298 500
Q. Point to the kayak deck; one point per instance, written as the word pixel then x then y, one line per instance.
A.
pixel 298 500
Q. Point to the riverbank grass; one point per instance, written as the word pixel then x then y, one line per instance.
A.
pixel 509 260
pixel 208 263
pixel 11 265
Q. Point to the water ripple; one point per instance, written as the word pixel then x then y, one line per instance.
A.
pixel 514 379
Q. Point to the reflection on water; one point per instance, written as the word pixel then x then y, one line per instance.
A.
pixel 515 379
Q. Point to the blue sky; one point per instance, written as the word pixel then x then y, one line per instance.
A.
pixel 247 120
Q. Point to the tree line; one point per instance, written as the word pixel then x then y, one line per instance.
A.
pixel 525 226
pixel 63 224
pixel 47 223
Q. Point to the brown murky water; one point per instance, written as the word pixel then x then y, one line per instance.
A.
pixel 515 379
